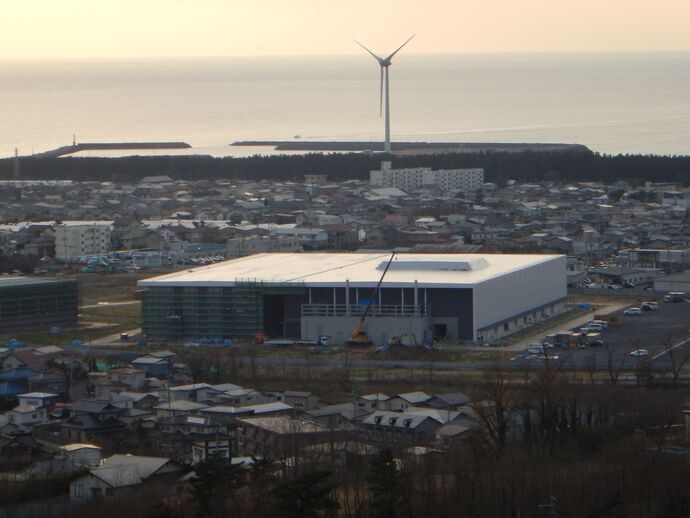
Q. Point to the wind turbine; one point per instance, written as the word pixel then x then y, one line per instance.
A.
pixel 384 63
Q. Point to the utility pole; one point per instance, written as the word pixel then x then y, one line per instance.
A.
pixel 15 172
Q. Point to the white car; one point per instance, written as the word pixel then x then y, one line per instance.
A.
pixel 639 353
pixel 632 312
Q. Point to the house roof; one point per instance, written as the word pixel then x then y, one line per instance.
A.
pixel 10 388
pixel 395 419
pixel 284 424
pixel 28 358
pixel 181 406
pixel 148 360
pixel 37 395
pixel 49 349
pixel 128 470
pixel 91 406
pixel 163 354
pixel 193 386
pixel 296 393
pixel 346 409
pixel 415 397
pixel 265 408
pixel 375 397
pixel 79 446
pixel 17 374
pixel 450 399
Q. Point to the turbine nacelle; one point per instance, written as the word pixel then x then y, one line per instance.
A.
pixel 384 63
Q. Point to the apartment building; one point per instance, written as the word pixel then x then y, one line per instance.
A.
pixel 465 180
pixel 75 241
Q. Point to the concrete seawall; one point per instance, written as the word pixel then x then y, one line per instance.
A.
pixel 108 146
pixel 422 147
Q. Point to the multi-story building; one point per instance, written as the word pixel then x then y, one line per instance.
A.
pixel 465 180
pixel 240 246
pixel 28 302
pixel 75 241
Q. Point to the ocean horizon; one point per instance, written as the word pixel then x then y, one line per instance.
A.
pixel 610 102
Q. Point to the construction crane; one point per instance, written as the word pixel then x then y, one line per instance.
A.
pixel 359 338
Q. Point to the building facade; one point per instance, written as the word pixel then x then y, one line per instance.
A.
pixel 75 241
pixel 465 180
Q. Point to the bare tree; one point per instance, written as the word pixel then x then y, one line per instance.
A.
pixel 591 367
pixel 495 406
pixel 678 356
pixel 614 366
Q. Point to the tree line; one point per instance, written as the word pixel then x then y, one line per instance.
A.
pixel 527 166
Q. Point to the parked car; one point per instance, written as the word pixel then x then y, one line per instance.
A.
pixel 535 349
pixel 633 312
pixel 647 307
pixel 639 353
pixel 599 323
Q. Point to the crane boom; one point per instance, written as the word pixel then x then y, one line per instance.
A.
pixel 358 337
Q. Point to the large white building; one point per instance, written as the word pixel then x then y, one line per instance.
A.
pixel 465 180
pixel 74 241
pixel 306 295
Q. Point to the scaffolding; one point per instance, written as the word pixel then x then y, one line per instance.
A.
pixel 237 312
pixel 28 303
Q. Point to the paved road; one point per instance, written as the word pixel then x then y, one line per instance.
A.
pixel 566 361
pixel 107 304
pixel 648 331
pixel 115 338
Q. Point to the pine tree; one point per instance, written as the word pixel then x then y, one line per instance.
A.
pixel 307 496
pixel 384 484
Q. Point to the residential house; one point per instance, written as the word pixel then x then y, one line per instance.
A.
pixel 194 438
pixel 92 421
pixel 280 437
pixel 124 475
pixel 300 400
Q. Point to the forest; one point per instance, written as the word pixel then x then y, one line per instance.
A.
pixel 527 166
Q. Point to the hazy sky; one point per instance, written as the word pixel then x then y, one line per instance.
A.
pixel 146 28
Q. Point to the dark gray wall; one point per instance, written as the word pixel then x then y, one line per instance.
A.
pixel 453 303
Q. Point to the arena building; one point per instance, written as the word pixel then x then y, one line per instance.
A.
pixel 307 295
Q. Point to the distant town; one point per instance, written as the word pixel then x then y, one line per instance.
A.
pixel 354 348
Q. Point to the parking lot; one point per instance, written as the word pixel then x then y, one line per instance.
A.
pixel 653 331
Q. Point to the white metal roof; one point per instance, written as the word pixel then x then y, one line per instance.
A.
pixel 359 270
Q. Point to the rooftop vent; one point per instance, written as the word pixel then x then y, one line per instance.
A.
pixel 455 264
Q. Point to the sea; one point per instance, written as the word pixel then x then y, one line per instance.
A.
pixel 612 103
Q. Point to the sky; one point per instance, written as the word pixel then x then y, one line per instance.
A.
pixel 73 29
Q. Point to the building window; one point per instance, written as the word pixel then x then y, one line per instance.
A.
pixel 78 490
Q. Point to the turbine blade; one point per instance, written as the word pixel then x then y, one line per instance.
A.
pixel 381 96
pixel 401 46
pixel 377 58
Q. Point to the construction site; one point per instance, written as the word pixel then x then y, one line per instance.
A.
pixel 31 303
pixel 361 297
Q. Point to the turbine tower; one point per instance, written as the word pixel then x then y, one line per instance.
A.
pixel 384 63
